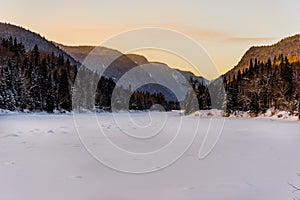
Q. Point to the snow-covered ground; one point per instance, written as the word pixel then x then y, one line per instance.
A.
pixel 269 114
pixel 42 157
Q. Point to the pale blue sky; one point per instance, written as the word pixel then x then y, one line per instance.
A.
pixel 225 28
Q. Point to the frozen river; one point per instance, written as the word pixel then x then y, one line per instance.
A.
pixel 42 157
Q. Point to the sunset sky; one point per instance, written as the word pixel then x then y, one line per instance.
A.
pixel 226 29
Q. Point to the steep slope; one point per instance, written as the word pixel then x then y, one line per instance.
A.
pixel 289 47
pixel 121 62
pixel 99 57
pixel 34 80
pixel 29 39
pixel 118 64
pixel 80 52
pixel 266 84
pixel 138 59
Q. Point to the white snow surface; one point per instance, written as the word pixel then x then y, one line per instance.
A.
pixel 269 114
pixel 42 157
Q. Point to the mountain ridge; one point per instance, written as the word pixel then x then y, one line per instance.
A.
pixel 118 64
pixel 288 46
pixel 29 39
pixel 80 52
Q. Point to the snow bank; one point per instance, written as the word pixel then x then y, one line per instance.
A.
pixel 208 113
pixel 269 114
pixel 25 111
pixel 273 114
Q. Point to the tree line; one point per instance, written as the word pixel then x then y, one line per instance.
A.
pixel 41 81
pixel 34 80
pixel 264 85
pixel 261 86
pixel 97 94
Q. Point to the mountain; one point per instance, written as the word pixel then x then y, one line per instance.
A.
pixel 29 39
pixel 122 62
pixel 119 64
pixel 40 75
pixel 266 79
pixel 289 47
pixel 80 52
pixel 137 59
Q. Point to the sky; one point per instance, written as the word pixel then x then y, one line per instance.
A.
pixel 224 28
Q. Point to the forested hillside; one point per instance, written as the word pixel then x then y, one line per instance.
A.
pixel 34 80
pixel 289 46
pixel 29 39
pixel 263 85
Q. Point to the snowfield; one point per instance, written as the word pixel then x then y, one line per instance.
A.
pixel 42 157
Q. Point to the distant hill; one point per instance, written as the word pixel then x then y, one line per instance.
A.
pixel 80 52
pixel 289 47
pixel 138 59
pixel 29 39
pixel 120 63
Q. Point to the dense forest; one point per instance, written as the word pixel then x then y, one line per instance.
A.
pixel 261 86
pixel 34 80
pixel 264 85
pixel 91 92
